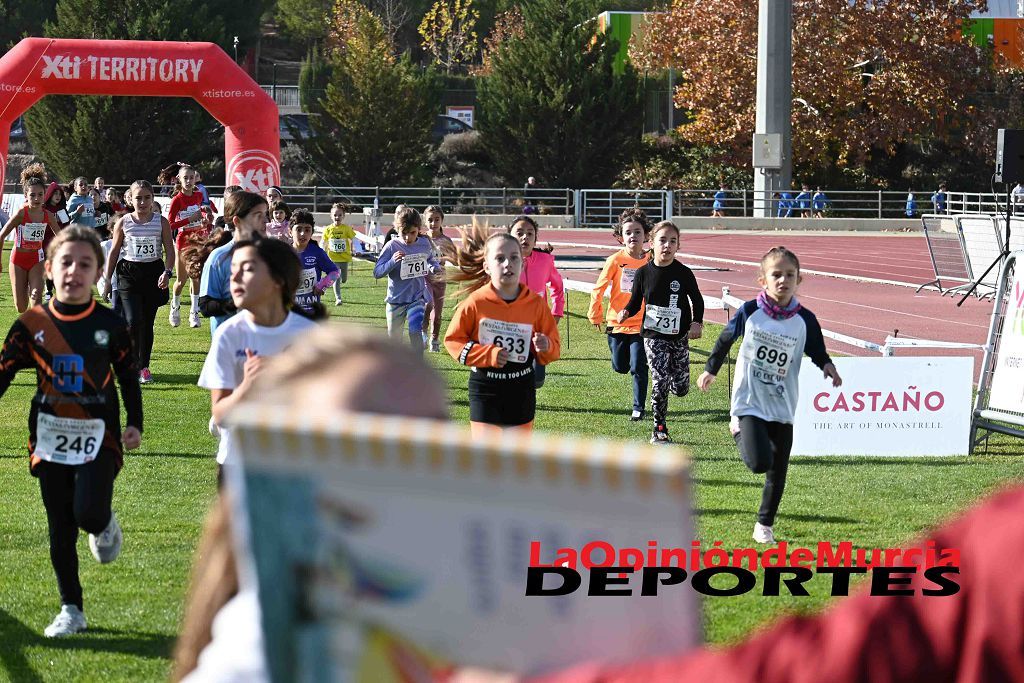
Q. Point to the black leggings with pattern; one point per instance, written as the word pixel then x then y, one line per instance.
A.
pixel 669 360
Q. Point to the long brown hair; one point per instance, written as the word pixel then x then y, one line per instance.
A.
pixel 240 204
pixel 471 253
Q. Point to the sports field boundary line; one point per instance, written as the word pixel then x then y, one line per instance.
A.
pixel 754 264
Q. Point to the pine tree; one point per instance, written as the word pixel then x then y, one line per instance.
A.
pixel 123 138
pixel 20 18
pixel 550 104
pixel 375 120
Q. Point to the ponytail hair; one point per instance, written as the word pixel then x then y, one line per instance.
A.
pixel 169 176
pixel 469 258
pixel 780 252
pixel 33 175
pixel 198 248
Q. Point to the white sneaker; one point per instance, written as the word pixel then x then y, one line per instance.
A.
pixel 107 546
pixel 69 621
pixel 435 345
pixel 174 318
pixel 193 318
pixel 763 534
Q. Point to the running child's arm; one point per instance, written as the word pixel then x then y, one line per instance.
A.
pixel 386 262
pixel 546 342
pixel 112 257
pixel 557 291
pixel 814 346
pixel 733 331
pixel 123 361
pixel 596 312
pixel 696 304
pixel 222 401
pixel 213 303
pixel 636 299
pixel 168 253
pixel 330 270
pixel 177 205
pixel 8 227
pixel 435 266
pixel 15 355
pixel 461 346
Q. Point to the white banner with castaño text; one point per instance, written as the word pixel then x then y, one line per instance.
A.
pixel 891 406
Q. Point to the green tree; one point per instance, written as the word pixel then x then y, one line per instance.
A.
pixel 449 32
pixel 304 20
pixel 130 137
pixel 21 18
pixel 375 120
pixel 551 106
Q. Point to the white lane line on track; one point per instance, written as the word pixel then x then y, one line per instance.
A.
pixel 754 264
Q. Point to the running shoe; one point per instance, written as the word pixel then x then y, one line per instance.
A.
pixel 174 317
pixel 107 545
pixel 763 534
pixel 193 319
pixel 660 435
pixel 636 416
pixel 435 345
pixel 69 621
pixel 337 302
pixel 145 377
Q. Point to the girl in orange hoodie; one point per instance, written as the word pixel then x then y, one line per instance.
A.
pixel 624 339
pixel 499 330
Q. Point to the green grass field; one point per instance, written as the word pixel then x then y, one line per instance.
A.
pixel 134 605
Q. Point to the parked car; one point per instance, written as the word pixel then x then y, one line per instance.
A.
pixel 446 125
pixel 300 122
pixel 18 128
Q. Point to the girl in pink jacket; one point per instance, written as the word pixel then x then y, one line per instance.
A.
pixel 538 274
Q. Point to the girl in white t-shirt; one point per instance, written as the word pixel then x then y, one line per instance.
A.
pixel 264 276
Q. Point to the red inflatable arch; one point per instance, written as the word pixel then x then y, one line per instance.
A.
pixel 36 67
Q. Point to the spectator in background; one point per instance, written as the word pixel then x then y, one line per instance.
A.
pixel 530 196
pixel 3 216
pixel 785 205
pixel 1017 196
pixel 911 203
pixel 939 199
pixel 718 206
pixel 803 200
pixel 819 202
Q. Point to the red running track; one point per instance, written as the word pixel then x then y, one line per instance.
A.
pixel 866 310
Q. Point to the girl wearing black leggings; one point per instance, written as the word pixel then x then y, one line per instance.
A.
pixel 777 331
pixel 145 235
pixel 75 439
